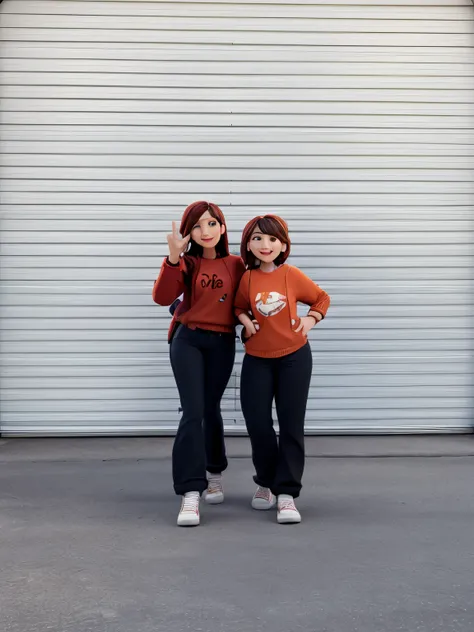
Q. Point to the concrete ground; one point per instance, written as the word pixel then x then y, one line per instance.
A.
pixel 89 542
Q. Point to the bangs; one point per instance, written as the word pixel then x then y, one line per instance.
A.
pixel 271 226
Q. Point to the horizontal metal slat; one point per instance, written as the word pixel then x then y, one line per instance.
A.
pixel 114 402
pixel 335 374
pixel 232 427
pixel 211 38
pixel 373 342
pixel 226 187
pixel 454 273
pixel 140 154
pixel 177 166
pixel 214 132
pixel 376 329
pixel 167 397
pixel 106 73
pixel 337 254
pixel 445 11
pixel 237 216
pixel 181 22
pixel 371 292
pixel 230 63
pixel 149 109
pixel 118 51
pixel 324 362
pixel 27 227
pixel 237 119
pixel 378 305
pixel 408 379
pixel 138 415
pixel 27 308
pixel 268 199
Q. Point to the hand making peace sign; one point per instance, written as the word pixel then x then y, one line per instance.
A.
pixel 176 244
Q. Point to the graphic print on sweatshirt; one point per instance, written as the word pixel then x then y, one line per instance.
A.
pixel 270 303
pixel 213 282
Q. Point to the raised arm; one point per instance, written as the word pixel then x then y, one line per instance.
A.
pixel 170 282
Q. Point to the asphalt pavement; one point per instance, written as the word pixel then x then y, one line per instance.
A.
pixel 89 542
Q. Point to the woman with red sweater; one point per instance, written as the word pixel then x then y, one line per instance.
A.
pixel 202 348
pixel 278 361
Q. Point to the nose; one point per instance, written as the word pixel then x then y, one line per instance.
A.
pixel 267 244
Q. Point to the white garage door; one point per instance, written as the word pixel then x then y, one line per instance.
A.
pixel 352 120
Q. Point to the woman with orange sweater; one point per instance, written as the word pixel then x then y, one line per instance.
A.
pixel 202 348
pixel 278 361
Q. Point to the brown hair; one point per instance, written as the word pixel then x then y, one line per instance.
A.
pixel 191 217
pixel 268 225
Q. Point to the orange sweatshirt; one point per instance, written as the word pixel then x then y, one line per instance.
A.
pixel 209 287
pixel 271 298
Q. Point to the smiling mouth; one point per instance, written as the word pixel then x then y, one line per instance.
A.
pixel 265 253
pixel 207 238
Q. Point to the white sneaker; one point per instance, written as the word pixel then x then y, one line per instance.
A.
pixel 263 499
pixel 215 491
pixel 189 513
pixel 287 512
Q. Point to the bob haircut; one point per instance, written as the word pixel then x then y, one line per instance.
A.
pixel 191 217
pixel 268 225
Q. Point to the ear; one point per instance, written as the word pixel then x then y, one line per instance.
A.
pixel 248 247
pixel 222 229
pixel 283 248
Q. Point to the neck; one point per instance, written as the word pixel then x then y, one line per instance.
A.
pixel 209 253
pixel 267 267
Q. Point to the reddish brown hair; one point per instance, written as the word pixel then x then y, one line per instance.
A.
pixel 268 225
pixel 191 217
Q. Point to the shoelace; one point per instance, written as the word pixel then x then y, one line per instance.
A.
pixel 285 505
pixel 264 493
pixel 214 485
pixel 190 502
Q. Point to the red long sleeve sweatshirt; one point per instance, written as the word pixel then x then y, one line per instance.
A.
pixel 209 287
pixel 271 299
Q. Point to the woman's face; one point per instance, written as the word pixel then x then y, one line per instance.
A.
pixel 207 232
pixel 265 247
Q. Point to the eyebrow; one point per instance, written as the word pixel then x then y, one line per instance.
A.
pixel 206 219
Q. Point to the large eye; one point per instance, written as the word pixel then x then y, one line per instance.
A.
pixel 273 239
pixel 212 224
pixel 256 238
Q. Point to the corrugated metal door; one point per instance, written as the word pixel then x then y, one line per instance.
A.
pixel 353 121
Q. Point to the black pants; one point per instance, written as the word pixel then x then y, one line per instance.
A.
pixel 202 363
pixel 278 464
